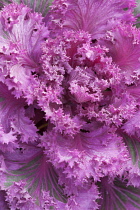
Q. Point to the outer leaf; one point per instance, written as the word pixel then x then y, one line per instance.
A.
pixel 36 171
pixel 118 195
pixel 12 115
pixel 133 164
pixel 41 6
pixel 94 17
pixel 132 126
pixel 95 151
pixel 124 45
pixel 21 37
pixel 9 107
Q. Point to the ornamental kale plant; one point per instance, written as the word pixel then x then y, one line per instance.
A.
pixel 69 105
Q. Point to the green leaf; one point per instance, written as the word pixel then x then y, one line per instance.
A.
pixel 118 196
pixel 39 175
pixel 133 146
pixel 40 6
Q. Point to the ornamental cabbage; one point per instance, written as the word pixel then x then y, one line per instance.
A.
pixel 69 105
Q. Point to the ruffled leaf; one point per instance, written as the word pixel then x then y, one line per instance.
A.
pixel 22 34
pixel 92 16
pixel 25 127
pixel 24 31
pixel 124 45
pixel 3 203
pixel 13 116
pixel 9 107
pixel 96 151
pixel 132 126
pixel 8 141
pixel 85 199
pixel 18 198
